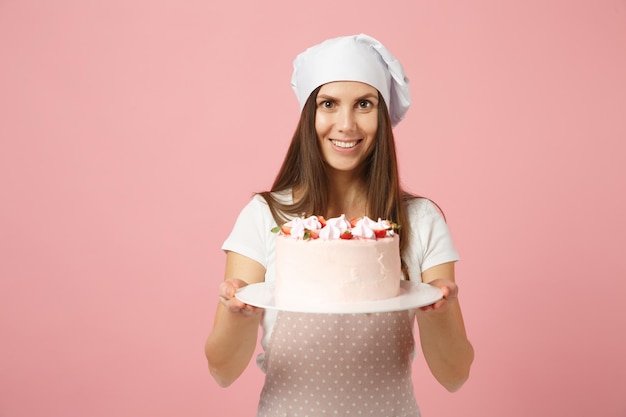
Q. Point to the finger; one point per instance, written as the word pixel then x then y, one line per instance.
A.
pixel 224 300
pixel 445 290
pixel 235 306
pixel 451 292
pixel 224 291
pixel 228 289
pixel 437 305
pixel 248 310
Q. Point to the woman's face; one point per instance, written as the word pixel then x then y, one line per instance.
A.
pixel 346 121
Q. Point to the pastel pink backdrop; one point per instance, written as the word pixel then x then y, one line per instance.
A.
pixel 133 132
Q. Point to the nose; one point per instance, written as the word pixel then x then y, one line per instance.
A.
pixel 345 119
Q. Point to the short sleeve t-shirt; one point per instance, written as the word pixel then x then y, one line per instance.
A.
pixel 429 244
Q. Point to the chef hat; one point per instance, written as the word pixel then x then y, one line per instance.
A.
pixel 353 58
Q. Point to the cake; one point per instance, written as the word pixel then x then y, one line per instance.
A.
pixel 328 262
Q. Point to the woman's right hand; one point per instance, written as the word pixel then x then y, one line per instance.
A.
pixel 227 291
pixel 234 336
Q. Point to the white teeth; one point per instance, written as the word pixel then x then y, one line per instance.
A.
pixel 344 144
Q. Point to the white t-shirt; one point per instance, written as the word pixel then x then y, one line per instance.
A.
pixel 429 243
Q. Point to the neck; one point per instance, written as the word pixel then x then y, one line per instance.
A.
pixel 346 195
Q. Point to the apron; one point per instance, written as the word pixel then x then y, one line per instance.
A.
pixel 339 365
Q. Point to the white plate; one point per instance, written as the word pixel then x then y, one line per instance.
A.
pixel 412 295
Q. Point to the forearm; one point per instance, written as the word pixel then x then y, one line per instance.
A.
pixel 231 344
pixel 233 338
pixel 447 351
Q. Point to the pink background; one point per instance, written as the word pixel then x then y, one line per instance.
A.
pixel 133 132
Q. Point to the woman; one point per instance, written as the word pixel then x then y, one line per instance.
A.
pixel 341 160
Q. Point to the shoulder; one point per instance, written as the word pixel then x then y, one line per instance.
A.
pixel 261 206
pixel 257 210
pixel 420 207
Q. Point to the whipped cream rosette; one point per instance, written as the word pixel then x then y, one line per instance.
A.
pixel 300 228
pixel 367 228
pixel 335 228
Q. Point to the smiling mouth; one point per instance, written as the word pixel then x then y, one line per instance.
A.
pixel 345 144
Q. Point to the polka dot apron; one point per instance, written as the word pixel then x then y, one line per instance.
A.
pixel 344 365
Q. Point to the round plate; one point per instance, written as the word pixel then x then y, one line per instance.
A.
pixel 412 295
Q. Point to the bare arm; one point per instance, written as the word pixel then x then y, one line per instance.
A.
pixel 447 350
pixel 232 341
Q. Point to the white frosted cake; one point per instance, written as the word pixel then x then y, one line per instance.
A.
pixel 332 262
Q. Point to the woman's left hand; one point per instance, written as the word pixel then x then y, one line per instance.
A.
pixel 450 291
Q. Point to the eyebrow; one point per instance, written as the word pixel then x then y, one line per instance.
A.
pixel 365 96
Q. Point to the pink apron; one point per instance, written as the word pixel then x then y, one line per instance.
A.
pixel 339 365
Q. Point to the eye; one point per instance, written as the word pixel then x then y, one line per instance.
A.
pixel 327 104
pixel 364 104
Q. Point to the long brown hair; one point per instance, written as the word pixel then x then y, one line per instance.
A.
pixel 304 168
